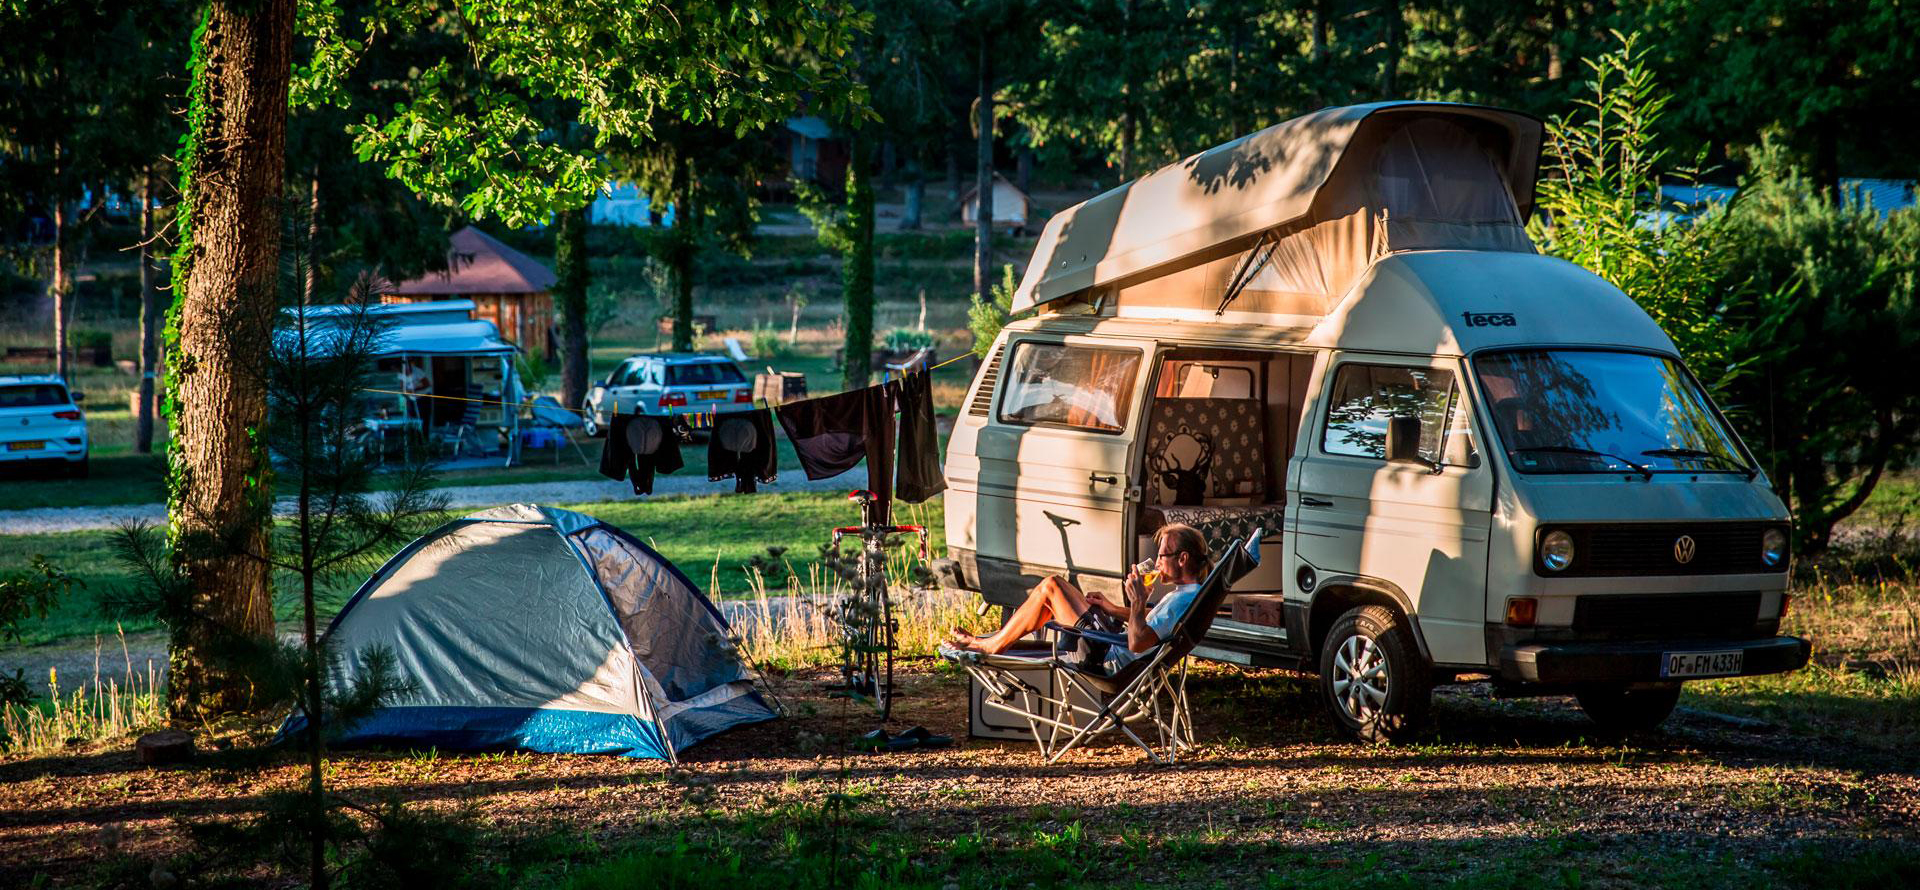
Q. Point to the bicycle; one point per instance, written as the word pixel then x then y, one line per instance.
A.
pixel 866 615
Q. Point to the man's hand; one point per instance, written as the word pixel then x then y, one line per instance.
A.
pixel 1136 594
pixel 1099 601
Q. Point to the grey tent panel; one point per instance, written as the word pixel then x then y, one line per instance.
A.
pixel 543 629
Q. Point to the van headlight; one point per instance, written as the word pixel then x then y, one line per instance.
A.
pixel 1773 547
pixel 1556 551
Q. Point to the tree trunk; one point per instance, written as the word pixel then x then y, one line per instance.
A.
pixel 1556 26
pixel 685 220
pixel 1390 69
pixel 1322 53
pixel 1023 168
pixel 910 218
pixel 856 273
pixel 220 486
pixel 149 322
pixel 983 178
pixel 1129 119
pixel 570 300
pixel 310 251
pixel 62 288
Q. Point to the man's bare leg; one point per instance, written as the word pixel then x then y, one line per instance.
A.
pixel 1052 600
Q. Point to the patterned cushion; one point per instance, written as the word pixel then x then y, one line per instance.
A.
pixel 1222 437
pixel 1219 525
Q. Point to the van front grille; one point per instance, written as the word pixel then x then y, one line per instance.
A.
pixel 1718 548
pixel 982 403
pixel 1668 615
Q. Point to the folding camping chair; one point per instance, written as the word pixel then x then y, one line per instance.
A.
pixel 545 413
pixel 1152 687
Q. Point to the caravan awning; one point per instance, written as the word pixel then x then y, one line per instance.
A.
pixel 1217 202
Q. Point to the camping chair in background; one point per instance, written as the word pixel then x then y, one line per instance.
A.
pixel 1081 701
pixel 456 436
pixel 545 413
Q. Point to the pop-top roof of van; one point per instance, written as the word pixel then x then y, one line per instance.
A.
pixel 1449 175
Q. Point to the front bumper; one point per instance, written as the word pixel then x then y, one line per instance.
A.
pixel 1640 661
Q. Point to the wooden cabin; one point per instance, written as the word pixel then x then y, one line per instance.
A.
pixel 507 287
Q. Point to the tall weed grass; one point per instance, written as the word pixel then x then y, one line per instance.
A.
pixel 99 709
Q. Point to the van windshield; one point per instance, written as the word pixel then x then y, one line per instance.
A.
pixel 1576 411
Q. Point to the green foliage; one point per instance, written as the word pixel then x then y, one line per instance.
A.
pixel 985 320
pixel 907 339
pixel 1598 206
pixel 767 343
pixel 512 109
pixel 28 594
pixel 1823 294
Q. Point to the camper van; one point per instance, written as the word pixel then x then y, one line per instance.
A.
pixel 1472 460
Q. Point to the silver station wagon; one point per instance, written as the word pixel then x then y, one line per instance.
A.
pixel 666 383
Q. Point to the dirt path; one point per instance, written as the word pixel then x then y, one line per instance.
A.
pixel 1495 779
pixel 44 520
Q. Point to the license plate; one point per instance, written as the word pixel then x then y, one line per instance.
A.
pixel 711 394
pixel 1701 664
pixel 26 446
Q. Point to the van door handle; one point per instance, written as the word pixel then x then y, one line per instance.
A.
pixel 1110 480
pixel 1314 502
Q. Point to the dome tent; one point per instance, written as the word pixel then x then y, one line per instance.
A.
pixel 546 630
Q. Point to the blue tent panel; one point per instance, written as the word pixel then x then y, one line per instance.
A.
pixel 493 729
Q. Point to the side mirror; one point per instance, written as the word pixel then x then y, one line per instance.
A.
pixel 1403 441
pixel 77 396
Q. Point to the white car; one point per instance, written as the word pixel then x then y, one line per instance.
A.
pixel 41 422
pixel 668 383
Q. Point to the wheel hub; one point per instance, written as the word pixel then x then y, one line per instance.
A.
pixel 1360 678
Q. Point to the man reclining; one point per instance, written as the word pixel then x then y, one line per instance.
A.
pixel 1182 561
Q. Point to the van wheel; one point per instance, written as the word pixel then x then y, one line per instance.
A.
pixel 1615 707
pixel 1375 682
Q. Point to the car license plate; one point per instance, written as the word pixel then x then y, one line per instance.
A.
pixel 711 394
pixel 26 446
pixel 1701 664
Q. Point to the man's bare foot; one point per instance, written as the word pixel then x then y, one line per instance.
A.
pixel 961 639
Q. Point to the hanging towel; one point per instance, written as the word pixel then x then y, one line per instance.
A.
pixel 639 445
pixel 919 475
pixel 741 446
pixel 833 433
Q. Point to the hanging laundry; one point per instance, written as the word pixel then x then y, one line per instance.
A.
pixel 639 445
pixel 919 475
pixel 833 433
pixel 741 446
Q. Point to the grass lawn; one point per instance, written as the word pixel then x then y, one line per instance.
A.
pixel 707 537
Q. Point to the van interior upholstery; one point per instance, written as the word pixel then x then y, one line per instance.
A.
pixel 1219 431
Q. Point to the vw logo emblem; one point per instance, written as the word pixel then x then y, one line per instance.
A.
pixel 1683 549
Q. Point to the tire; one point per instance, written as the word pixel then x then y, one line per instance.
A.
pixel 81 469
pixel 1390 702
pixel 1617 708
pixel 591 426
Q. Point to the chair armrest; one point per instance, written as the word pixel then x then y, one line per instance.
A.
pixel 1098 636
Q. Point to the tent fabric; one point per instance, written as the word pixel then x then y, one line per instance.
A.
pixel 547 630
pixel 1412 182
pixel 1421 175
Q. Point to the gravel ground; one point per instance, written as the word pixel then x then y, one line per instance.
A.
pixel 43 520
pixel 1494 779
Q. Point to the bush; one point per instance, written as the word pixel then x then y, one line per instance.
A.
pixel 907 340
pixel 767 343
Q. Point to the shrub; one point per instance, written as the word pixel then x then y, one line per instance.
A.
pixel 907 339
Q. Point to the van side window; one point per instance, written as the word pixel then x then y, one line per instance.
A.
pixel 1365 397
pixel 1077 386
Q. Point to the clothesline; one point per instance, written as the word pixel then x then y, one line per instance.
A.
pixel 697 420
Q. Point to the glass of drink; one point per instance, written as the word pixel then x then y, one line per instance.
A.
pixel 1145 569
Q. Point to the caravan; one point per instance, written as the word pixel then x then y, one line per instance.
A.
pixel 1479 460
